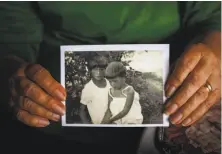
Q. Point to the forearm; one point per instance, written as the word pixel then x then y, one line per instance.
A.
pixel 107 116
pixel 84 118
pixel 119 115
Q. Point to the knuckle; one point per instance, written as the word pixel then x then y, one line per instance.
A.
pixel 188 63
pixel 181 98
pixel 194 79
pixel 34 70
pixel 30 121
pixel 50 101
pixel 201 93
pixel 29 87
pixel 177 78
pixel 39 93
pixel 49 114
pixel 39 111
pixel 27 104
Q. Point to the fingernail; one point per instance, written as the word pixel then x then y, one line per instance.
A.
pixel 176 118
pixel 55 117
pixel 43 123
pixel 171 109
pixel 170 91
pixel 60 95
pixel 58 109
pixel 186 122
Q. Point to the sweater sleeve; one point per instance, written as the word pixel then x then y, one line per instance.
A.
pixel 203 16
pixel 20 30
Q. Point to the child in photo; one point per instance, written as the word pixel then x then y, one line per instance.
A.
pixel 94 95
pixel 124 106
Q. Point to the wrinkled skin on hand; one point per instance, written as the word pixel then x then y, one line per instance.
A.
pixel 189 99
pixel 36 97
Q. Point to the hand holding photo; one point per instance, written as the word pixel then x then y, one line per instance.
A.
pixel 114 85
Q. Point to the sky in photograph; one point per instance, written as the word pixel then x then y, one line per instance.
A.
pixel 151 61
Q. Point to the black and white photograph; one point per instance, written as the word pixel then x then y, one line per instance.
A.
pixel 114 85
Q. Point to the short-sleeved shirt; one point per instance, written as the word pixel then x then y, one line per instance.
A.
pixel 96 100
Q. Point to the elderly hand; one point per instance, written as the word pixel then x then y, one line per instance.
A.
pixel 195 84
pixel 36 96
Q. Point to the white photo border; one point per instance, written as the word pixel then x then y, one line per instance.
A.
pixel 158 47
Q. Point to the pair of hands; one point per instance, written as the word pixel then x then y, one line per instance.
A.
pixel 36 96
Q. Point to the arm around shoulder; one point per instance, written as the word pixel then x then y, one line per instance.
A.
pixel 129 99
pixel 85 99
